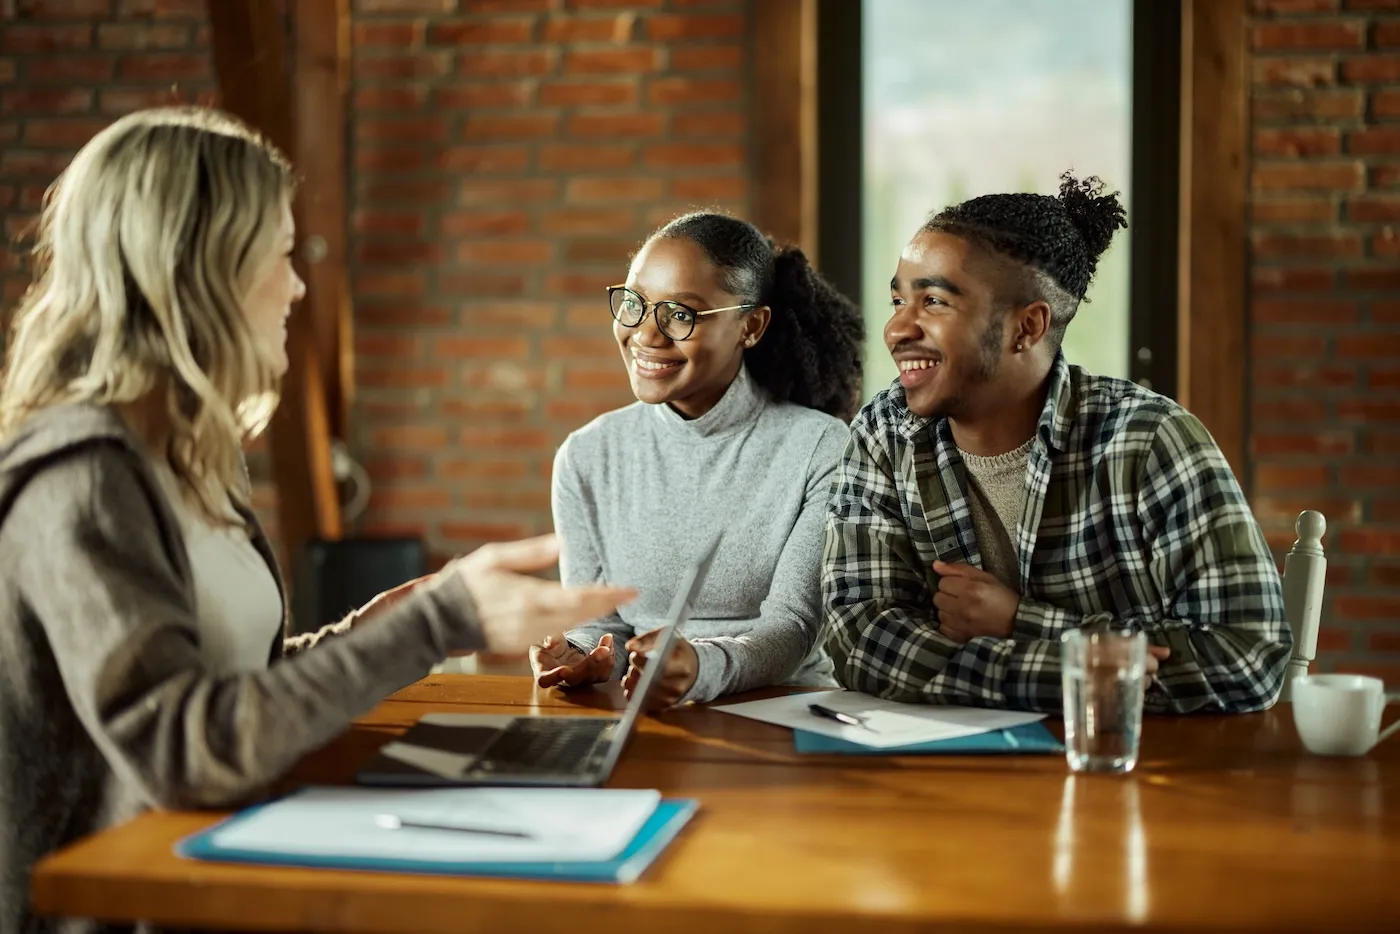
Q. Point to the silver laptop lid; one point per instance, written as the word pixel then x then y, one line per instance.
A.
pixel 681 604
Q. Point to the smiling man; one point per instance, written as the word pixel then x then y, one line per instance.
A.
pixel 997 496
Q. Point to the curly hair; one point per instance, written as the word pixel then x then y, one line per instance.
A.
pixel 811 353
pixel 1057 240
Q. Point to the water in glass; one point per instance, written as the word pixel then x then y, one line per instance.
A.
pixel 1103 673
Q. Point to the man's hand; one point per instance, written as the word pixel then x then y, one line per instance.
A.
pixel 973 603
pixel 555 661
pixel 1156 654
pixel 674 681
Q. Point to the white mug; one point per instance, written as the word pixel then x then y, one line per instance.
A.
pixel 1339 715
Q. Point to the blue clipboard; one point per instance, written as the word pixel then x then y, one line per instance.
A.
pixel 1027 739
pixel 655 835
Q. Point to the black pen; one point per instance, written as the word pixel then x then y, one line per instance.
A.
pixel 838 716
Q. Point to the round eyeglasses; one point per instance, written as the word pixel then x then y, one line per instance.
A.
pixel 673 319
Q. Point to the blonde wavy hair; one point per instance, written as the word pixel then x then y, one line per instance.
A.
pixel 147 246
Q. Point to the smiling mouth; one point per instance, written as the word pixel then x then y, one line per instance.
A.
pixel 653 366
pixel 908 366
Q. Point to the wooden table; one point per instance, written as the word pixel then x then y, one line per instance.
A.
pixel 1226 825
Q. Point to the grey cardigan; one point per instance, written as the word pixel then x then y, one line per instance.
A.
pixel 105 706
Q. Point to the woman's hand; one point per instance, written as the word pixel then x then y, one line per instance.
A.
pixel 674 680
pixel 516 610
pixel 555 661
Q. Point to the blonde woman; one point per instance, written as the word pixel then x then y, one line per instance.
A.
pixel 142 661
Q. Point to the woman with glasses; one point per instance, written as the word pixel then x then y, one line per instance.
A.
pixel 746 365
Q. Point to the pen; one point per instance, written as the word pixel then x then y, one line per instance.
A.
pixel 838 716
pixel 394 822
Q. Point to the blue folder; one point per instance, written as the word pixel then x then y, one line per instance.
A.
pixel 659 830
pixel 1020 740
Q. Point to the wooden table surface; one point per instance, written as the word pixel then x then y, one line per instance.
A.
pixel 1226 825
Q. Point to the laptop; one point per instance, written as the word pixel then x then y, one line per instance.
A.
pixel 569 752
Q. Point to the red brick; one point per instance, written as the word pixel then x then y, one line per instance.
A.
pixel 68 134
pixel 1299 106
pixel 1288 410
pixel 1295 70
pixel 1307 141
pixel 573 412
pixel 570 93
pixel 48 102
pixel 1292 279
pixel 691 154
pixel 390 158
pixel 383 345
pixel 672 27
pixel 507 411
pixel 513 314
pixel 1366 607
pixel 65 9
pixel 1374 208
pixel 403 67
pixel 396 468
pixel 165 66
pixel 391 35
pixel 481 283
pixel 1391 5
pixel 510 190
pixel 1385 312
pixel 504 377
pixel 28 163
pixel 27 39
pixel 506 6
pixel 611 4
pixel 1302 311
pixel 140 36
pixel 402 130
pixel 1293 211
pixel 497 348
pixel 1383 278
pixel 7 71
pixel 1383 641
pixel 608 190
pixel 1304 375
pixel 162 9
pixel 1368 410
pixel 617 29
pixel 1385 575
pixel 390 284
pixel 710 188
pixel 617 125
pixel 484 158
pixel 709 125
pixel 613 379
pixel 1369 542
pixel 469 96
pixel 1334 640
pixel 707 58
pixel 125 100
pixel 1277 478
pixel 401 192
pixel 574 284
pixel 631 60
pixel 591 220
pixel 612 252
pixel 510 126
pixel 590 157
pixel 482 32
pixel 1371 69
pixel 397 99
pixel 694 91
pixel 1323 442
pixel 1385 34
pixel 506 252
pixel 482 469
pixel 1374 142
pixel 407 376
pixel 480 532
pixel 394 498
pixel 1368 345
pixel 602 346
pixel 405 6
pixel 1307 245
pixel 1314 34
pixel 1293 6
pixel 511 438
pixel 398 252
pixel 1271 510
pixel 1385 243
pixel 1370 476
pixel 1383 443
pixel 1308 175
pixel 70 69
pixel 484 223
pixel 1385 510
pixel 506 63
pixel 400 314
pixel 1383 379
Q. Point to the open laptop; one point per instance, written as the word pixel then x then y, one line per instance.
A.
pixel 473 749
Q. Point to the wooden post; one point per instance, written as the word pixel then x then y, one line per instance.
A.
pixel 250 50
pixel 785 121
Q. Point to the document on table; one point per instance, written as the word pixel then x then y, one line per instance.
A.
pixel 464 825
pixel 883 723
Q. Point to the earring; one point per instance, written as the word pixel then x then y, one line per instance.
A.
pixel 1020 346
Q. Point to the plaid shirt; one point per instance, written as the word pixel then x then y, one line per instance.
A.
pixel 1131 511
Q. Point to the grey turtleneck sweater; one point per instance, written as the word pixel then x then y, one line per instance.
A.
pixel 636 491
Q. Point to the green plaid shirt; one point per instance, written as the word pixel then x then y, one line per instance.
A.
pixel 1131 510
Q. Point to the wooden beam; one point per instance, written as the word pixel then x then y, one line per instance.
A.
pixel 1212 309
pixel 250 51
pixel 784 146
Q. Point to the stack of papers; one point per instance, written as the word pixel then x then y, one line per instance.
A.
pixel 568 833
pixel 882 724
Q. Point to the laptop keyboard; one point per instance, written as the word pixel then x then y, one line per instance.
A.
pixel 543 744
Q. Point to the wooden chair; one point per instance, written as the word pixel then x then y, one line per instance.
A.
pixel 1304 574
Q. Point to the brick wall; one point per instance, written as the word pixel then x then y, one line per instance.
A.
pixel 1325 235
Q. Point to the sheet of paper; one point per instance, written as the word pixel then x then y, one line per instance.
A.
pixel 885 723
pixel 567 824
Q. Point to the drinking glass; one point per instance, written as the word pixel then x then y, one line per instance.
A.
pixel 1103 671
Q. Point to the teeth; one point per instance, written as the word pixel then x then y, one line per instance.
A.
pixel 906 365
pixel 649 365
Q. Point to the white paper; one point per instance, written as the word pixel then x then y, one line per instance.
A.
pixel 886 723
pixel 569 824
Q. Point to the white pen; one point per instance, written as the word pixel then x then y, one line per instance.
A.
pixel 394 822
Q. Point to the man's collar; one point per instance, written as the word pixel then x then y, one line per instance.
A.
pixel 1056 417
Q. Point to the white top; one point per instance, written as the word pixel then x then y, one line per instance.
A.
pixel 236 599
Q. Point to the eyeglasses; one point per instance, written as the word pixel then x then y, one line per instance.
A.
pixel 673 319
